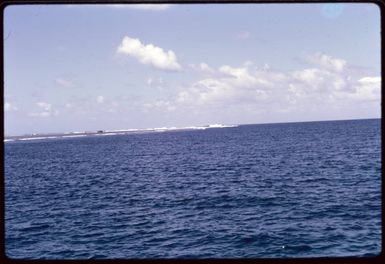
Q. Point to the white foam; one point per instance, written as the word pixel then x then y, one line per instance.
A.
pixel 74 136
pixel 123 130
pixel 107 134
pixel 29 138
pixel 197 127
pixel 221 126
pixel 161 129
pixel 33 138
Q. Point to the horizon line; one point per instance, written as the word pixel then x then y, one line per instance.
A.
pixel 206 125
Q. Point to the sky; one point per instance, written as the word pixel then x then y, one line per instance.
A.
pixel 104 67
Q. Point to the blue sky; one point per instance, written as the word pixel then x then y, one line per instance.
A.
pixel 85 68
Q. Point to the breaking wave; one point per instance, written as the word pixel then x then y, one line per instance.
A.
pixel 117 132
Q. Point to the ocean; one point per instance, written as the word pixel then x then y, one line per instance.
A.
pixel 285 190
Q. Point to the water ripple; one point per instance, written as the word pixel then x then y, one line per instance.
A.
pixel 256 191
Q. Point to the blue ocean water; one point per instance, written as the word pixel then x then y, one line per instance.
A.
pixel 252 191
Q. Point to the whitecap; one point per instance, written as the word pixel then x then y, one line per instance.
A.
pixel 74 136
pixel 33 138
pixel 107 134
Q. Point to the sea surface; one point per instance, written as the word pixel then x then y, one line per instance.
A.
pixel 253 191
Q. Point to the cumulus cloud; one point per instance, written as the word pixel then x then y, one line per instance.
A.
pixel 331 82
pixel 318 80
pixel 202 67
pixel 64 83
pixel 236 85
pixel 149 54
pixel 371 80
pixel 327 62
pixel 368 88
pixel 326 85
pixel 45 110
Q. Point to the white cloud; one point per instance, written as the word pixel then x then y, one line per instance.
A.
pixel 202 67
pixel 244 78
pixel 46 110
pixel 64 83
pixel 8 107
pixel 318 80
pixel 327 62
pixel 370 80
pixel 235 86
pixel 149 54
pixel 331 83
pixel 368 89
pixel 328 87
pixel 100 99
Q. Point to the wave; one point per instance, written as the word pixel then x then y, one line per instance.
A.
pixel 161 129
pixel 221 126
pixel 36 138
pixel 108 134
pixel 197 127
pixel 75 132
pixel 72 136
pixel 121 132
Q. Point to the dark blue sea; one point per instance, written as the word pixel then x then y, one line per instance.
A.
pixel 253 191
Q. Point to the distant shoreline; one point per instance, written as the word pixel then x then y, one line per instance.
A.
pixel 109 132
pixel 38 136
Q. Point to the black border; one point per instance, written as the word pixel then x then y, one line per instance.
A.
pixel 375 259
